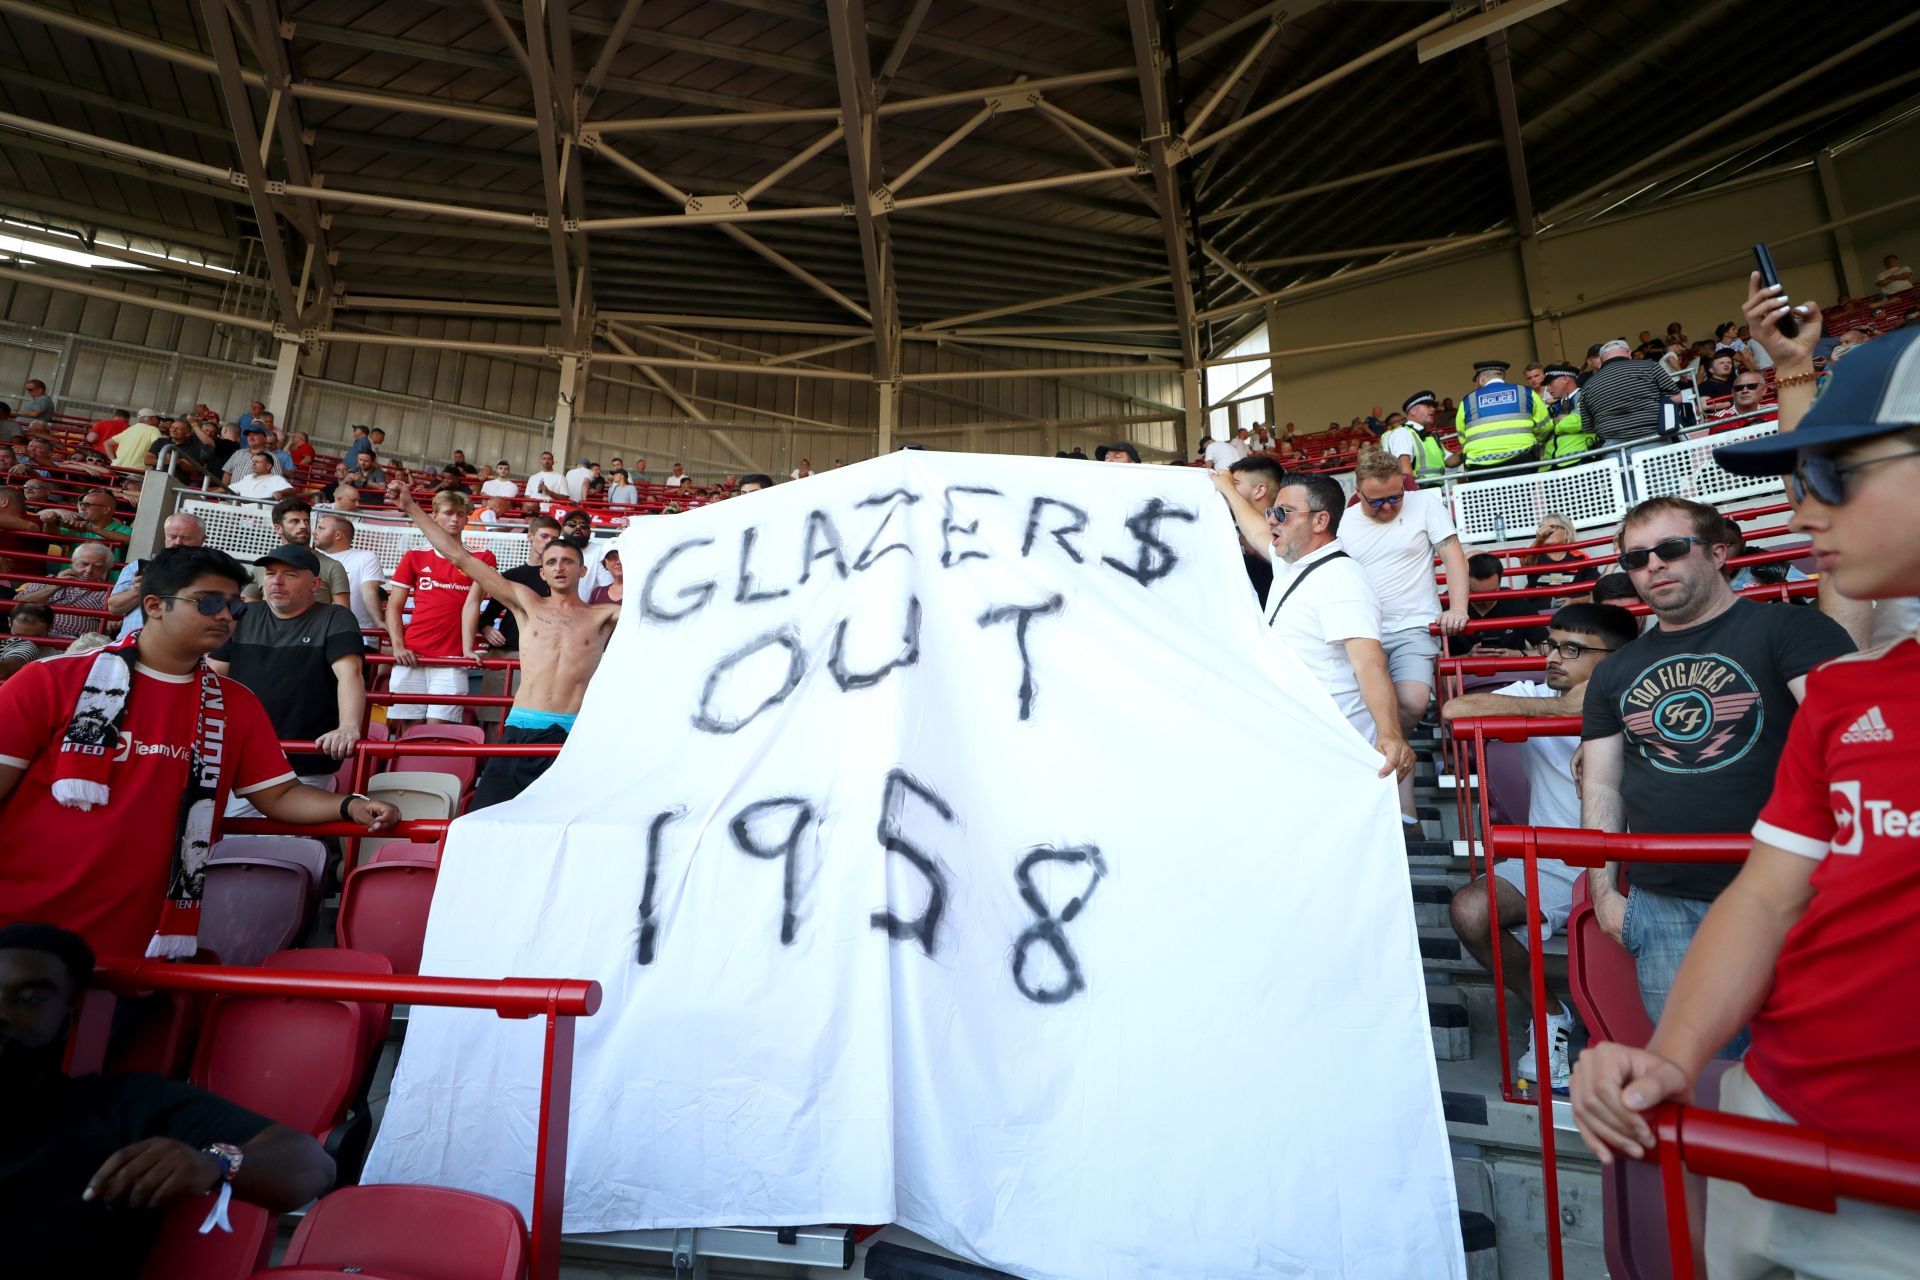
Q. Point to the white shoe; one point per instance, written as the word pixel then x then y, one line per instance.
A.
pixel 1560 1038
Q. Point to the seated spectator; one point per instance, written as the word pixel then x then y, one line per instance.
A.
pixel 221 444
pixel 275 443
pixel 493 511
pixel 92 519
pixel 179 530
pixel 90 572
pixel 677 478
pixel 547 484
pixel 255 411
pixel 345 498
pixel 1221 454
pixel 1749 401
pixel 1614 588
pixel 133 828
pixel 1121 452
pixel 1484 575
pixel 1755 575
pixel 1579 637
pixel 36 410
pixel 26 622
pixel 1622 400
pixel 444 624
pixel 805 468
pixel 1683 728
pixel 1716 376
pixel 192 456
pixel 260 483
pixel 39 459
pixel 343 476
pixel 133 448
pixel 1813 944
pixel 333 537
pixel 597 489
pixel 1551 537
pixel 622 492
pixel 300 449
pixel 459 463
pixel 501 483
pixel 452 480
pixel 93 1161
pixel 107 428
pixel 1322 608
pixel 303 660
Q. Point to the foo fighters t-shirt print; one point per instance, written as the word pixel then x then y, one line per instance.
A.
pixel 1705 712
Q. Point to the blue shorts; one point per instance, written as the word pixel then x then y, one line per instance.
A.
pixel 1657 931
pixel 521 718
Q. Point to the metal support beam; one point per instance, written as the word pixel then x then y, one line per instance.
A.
pixel 1677 27
pixel 901 43
pixel 1719 126
pixel 847 21
pixel 1314 86
pixel 246 137
pixel 286 364
pixel 551 183
pixel 1391 267
pixel 1352 179
pixel 1533 274
pixel 1159 139
pixel 568 398
pixel 508 36
pixel 1852 279
pixel 799 158
pixel 889 411
pixel 1493 20
pixel 278 63
pixel 609 50
pixel 940 148
pixel 1232 78
pixel 1040 304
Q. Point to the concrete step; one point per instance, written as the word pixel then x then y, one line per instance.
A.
pixel 1451 1022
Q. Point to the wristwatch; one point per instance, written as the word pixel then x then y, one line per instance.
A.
pixel 230 1158
pixel 347 805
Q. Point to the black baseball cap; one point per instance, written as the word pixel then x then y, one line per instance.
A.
pixel 1875 391
pixel 293 555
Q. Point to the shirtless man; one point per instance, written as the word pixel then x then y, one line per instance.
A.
pixel 561 640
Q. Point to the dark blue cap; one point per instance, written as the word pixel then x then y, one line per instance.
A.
pixel 1874 391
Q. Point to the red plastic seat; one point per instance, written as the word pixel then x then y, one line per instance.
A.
pixel 1604 985
pixel 253 907
pixel 299 1062
pixel 375 1019
pixel 407 851
pixel 465 768
pixel 420 1233
pixel 180 1252
pixel 384 906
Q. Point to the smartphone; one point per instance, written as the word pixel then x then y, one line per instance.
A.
pixel 1788 324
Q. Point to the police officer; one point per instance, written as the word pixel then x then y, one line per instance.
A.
pixel 1498 423
pixel 1430 457
pixel 1568 434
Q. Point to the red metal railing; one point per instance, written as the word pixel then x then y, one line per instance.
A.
pixel 558 1000
pixel 1803 590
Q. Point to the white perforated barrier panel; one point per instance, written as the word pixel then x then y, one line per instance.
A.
pixel 245 531
pixel 1592 495
pixel 1688 470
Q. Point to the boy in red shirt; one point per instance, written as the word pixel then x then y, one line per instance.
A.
pixel 445 622
pixel 1814 942
pixel 113 765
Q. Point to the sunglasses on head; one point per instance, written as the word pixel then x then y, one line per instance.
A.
pixel 212 606
pixel 1391 500
pixel 1669 551
pixel 1826 479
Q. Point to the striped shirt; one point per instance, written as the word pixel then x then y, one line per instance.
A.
pixel 1621 401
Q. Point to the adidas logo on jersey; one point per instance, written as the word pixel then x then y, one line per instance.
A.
pixel 1871 727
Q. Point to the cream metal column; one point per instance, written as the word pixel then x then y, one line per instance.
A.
pixel 563 409
pixel 286 368
pixel 1844 257
pixel 889 413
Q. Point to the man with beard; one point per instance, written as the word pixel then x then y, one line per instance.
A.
pixel 89 1163
pixel 104 756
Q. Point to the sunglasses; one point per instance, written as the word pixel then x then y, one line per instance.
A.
pixel 1826 479
pixel 1748 386
pixel 213 606
pixel 1391 500
pixel 1669 551
pixel 1570 651
pixel 1280 514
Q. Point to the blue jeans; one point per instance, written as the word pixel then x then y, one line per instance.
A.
pixel 1657 930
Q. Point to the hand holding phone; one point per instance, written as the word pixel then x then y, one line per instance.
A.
pixel 1788 324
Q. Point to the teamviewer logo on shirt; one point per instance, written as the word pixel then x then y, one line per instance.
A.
pixel 1847 833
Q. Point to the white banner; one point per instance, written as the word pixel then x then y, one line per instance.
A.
pixel 955 850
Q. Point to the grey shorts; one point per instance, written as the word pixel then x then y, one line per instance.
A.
pixel 1411 654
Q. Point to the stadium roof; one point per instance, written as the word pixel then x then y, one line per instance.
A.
pixel 688 156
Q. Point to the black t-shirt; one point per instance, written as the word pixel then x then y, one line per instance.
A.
pixel 1574 568
pixel 1705 711
pixel 55 1140
pixel 496 614
pixel 1513 637
pixel 288 662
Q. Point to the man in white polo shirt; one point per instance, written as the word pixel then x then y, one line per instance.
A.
pixel 1321 607
pixel 1394 535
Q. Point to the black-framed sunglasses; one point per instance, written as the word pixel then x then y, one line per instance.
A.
pixel 213 606
pixel 1825 479
pixel 1570 651
pixel 1281 514
pixel 1669 551
pixel 1391 500
pixel 1749 386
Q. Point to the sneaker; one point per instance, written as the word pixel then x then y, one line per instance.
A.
pixel 1560 1038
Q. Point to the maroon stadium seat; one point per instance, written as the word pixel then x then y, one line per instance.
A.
pixel 384 905
pixel 180 1252
pixel 421 1233
pixel 1601 975
pixel 253 907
